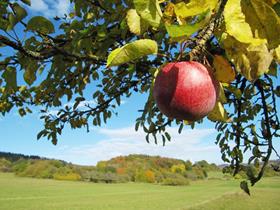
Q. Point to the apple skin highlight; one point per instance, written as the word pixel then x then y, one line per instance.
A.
pixel 185 90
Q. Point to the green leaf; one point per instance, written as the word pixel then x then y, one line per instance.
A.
pixel 263 20
pixel 132 51
pixel 149 10
pixel 194 7
pixel 176 31
pixel 277 91
pixel 20 12
pixel 244 187
pixel 236 91
pixel 276 8
pixel 236 24
pixel 30 67
pixel 22 112
pixel 28 2
pixel 182 31
pixel 167 135
pixel 12 21
pixel 30 73
pixel 10 77
pixel 41 133
pixel 40 24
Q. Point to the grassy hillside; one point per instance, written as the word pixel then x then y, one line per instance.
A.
pixel 19 193
pixel 131 168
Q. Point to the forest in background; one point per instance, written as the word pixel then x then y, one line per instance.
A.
pixel 121 169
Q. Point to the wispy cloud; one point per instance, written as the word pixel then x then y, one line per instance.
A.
pixel 189 145
pixel 51 8
pixel 83 105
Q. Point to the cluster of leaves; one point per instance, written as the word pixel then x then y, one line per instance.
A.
pixel 117 47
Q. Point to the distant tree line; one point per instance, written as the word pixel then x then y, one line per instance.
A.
pixel 131 168
pixel 14 157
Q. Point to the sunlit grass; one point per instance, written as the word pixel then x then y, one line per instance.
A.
pixel 27 193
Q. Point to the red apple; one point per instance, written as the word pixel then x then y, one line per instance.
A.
pixel 185 90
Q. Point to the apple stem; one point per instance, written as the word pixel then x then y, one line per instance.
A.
pixel 181 51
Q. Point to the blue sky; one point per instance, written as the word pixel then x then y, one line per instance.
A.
pixel 101 143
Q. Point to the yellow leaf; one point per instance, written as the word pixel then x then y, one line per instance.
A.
pixel 133 21
pixel 263 20
pixel 236 24
pixel 149 10
pixel 169 10
pixel 272 2
pixel 194 7
pixel 236 91
pixel 219 114
pixel 132 51
pixel 250 60
pixel 273 69
pixel 223 70
pixel 222 96
pixel 276 54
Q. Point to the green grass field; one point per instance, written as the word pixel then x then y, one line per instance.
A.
pixel 37 194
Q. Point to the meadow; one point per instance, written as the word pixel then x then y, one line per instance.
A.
pixel 18 193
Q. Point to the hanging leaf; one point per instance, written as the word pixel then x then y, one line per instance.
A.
pixel 223 70
pixel 30 67
pixel 176 31
pixel 12 21
pixel 28 2
pixel 133 21
pixel 169 10
pixel 20 13
pixel 236 25
pixel 40 24
pixel 276 54
pixel 263 20
pixel 244 187
pixel 222 96
pixel 135 24
pixel 149 10
pixel 271 2
pixel 194 7
pixel 219 114
pixel 10 77
pixel 273 69
pixel 276 8
pixel 30 73
pixel 183 31
pixel 132 51
pixel 250 60
pixel 236 91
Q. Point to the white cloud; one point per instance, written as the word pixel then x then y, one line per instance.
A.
pixel 189 145
pixel 51 8
pixel 83 104
pixel 39 5
pixel 123 102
